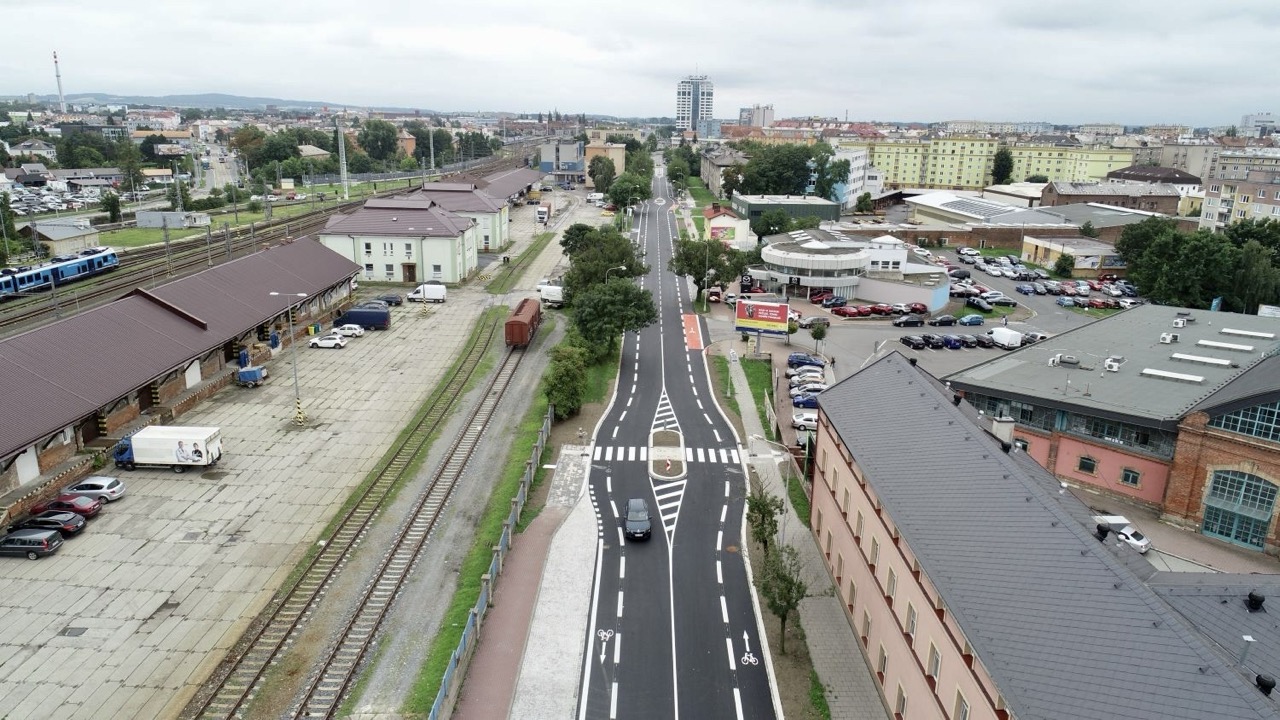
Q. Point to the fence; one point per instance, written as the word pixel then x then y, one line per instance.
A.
pixel 461 657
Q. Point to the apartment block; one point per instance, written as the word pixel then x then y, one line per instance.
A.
pixel 1257 197
pixel 695 101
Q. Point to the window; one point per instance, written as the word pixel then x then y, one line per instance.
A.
pixel 857 526
pixel 1021 444
pixel 368 248
pixel 408 250
pixel 388 248
pixel 368 269
pixel 1260 421
pixel 882 661
pixel 866 626
pixel 962 707
pixel 891 588
pixel 911 619
pixel 875 551
pixel 844 506
pixel 900 705
pixel 1087 464
pixel 1130 477
pixel 935 662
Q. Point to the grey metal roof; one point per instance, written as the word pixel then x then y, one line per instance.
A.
pixel 1215 604
pixel 509 183
pixel 1150 398
pixel 458 197
pixel 65 371
pixel 399 217
pixel 1064 630
pixel 1255 386
pixel 54 231
pixel 1118 189
pixel 1152 173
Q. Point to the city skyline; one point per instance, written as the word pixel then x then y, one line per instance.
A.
pixel 1141 63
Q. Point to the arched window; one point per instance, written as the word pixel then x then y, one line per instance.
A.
pixel 1239 507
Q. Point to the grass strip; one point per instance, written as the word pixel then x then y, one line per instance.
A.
pixel 702 197
pixel 760 378
pixel 818 696
pixel 505 280
pixel 720 366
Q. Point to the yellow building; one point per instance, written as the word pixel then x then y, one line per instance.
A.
pixel 959 163
pixel 617 152
pixel 600 134
pixel 1068 164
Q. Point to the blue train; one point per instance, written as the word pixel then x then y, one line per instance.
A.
pixel 15 282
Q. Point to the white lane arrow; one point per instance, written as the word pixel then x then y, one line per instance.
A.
pixel 604 636
pixel 746 642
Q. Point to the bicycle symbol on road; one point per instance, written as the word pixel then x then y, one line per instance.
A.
pixel 750 659
pixel 604 635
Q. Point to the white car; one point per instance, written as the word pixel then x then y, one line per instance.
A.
pixel 272 198
pixel 1136 540
pixel 329 341
pixel 99 487
pixel 992 270
pixel 969 251
pixel 808 389
pixel 300 196
pixel 805 420
pixel 349 331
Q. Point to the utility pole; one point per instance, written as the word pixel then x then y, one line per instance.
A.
pixel 431 144
pixel 342 159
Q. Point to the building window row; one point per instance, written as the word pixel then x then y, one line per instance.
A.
pixel 1260 421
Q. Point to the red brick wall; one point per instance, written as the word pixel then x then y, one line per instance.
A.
pixel 122 417
pixel 56 454
pixel 1200 451
pixel 172 388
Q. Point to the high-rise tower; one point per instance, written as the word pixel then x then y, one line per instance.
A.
pixel 695 100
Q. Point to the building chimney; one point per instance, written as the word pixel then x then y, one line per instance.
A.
pixel 1266 684
pixel 715 207
pixel 1002 428
pixel 1255 600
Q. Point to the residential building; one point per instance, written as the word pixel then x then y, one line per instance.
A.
pixel 36 148
pixel 1090 258
pixel 708 128
pixel 1257 197
pixel 1171 407
pixel 723 225
pixel 756 116
pixel 1257 125
pixel 1197 157
pixel 1104 129
pixel 1137 196
pixel 1236 164
pixel 406 142
pixel 181 138
pixel 602 134
pixel 714 161
pixel 695 101
pixel 152 120
pixel 565 161
pixel 852 186
pixel 617 152
pixel 491 215
pixel 1068 164
pixel 983 127
pixel 1170 132
pixel 976 588
pixel 752 207
pixel 407 240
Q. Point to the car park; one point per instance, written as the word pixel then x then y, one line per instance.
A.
pixel 806 420
pixel 952 342
pixel 636 524
pixel 814 321
pixel 805 401
pixel 915 342
pixel 30 543
pixel 971 320
pixel 908 321
pixel 807 389
pixel 942 320
pixel 932 340
pixel 97 487
pixel 349 330
pixel 66 523
pixel 86 507
pixel 335 342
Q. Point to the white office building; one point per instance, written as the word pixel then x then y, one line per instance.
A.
pixel 695 101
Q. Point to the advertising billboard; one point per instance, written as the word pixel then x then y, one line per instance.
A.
pixel 761 317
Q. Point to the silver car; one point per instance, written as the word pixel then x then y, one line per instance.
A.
pixel 97 487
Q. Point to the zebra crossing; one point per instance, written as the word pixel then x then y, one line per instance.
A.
pixel 632 453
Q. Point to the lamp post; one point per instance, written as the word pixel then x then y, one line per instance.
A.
pixel 299 417
pixel 606 272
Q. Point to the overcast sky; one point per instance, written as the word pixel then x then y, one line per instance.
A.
pixel 1062 61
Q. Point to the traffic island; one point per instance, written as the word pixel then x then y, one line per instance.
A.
pixel 666 455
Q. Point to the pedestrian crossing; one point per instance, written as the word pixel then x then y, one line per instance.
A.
pixel 632 453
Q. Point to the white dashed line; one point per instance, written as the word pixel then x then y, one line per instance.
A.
pixel 622 567
pixel 724 615
pixel 719 539
pixel 719 573
pixel 723 509
pixel 620 613
pixel 728 643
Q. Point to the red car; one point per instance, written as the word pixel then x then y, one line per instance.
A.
pixel 78 504
pixel 881 309
pixel 757 290
pixel 817 298
pixel 918 309
pixel 1094 285
pixel 846 311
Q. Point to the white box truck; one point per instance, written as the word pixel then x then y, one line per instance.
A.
pixel 428 292
pixel 552 295
pixel 169 446
pixel 1006 338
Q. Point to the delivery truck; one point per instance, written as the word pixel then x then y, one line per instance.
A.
pixel 1006 338
pixel 169 446
pixel 551 295
pixel 366 316
pixel 428 292
pixel 544 212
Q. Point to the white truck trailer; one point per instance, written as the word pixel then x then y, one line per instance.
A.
pixel 169 446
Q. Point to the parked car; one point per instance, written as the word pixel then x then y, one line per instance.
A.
pixel 392 299
pixel 1080 301
pixel 1127 303
pixel 968 340
pixel 1004 301
pixel 1065 301
pixel 991 295
pixel 86 507
pixel 818 297
pixel 805 401
pixel 814 321
pixel 941 320
pixel 329 341
pixel 349 331
pixel 848 311
pixel 805 370
pixel 933 341
pixel 978 303
pixel 1033 336
pixel 807 389
pixel 915 342
pixel 31 543
pixel 66 523
pixel 834 301
pixel 881 309
pixel 963 291
pixel 971 320
pixel 908 321
pixel 918 308
pixel 985 341
pixel 1040 288
pixel 96 487
pixel 807 378
pixel 900 308
pixel 1025 289
pixel 952 342
pixel 806 420
pixel 797 359
pixel 636 524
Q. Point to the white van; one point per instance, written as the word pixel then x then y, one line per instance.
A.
pixel 592 197
pixel 428 292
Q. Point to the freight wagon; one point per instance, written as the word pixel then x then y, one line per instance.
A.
pixel 523 323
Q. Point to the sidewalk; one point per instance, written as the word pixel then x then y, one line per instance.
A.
pixel 851 692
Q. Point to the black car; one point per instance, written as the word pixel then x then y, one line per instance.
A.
pixel 908 321
pixel 984 341
pixel 968 340
pixel 67 523
pixel 636 524
pixel 915 342
pixel 943 320
pixel 934 341
pixel 1005 300
pixel 1040 274
pixel 978 303
pixel 392 299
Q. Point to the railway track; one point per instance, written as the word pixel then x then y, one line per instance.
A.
pixel 240 675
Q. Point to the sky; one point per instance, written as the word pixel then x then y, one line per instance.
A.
pixel 1131 62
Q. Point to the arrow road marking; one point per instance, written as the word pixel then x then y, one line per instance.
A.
pixel 604 636
pixel 746 641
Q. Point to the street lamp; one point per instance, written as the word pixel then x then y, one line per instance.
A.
pixel 606 272
pixel 299 417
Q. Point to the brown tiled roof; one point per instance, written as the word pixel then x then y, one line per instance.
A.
pixel 399 217
pixel 55 375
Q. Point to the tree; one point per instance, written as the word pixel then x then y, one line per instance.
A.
pixel 191 114
pixel 7 228
pixel 818 332
pixel 783 586
pixel 627 187
pixel 129 160
pixel 1088 230
pixel 111 206
pixel 865 205
pixel 1256 279
pixel 378 138
pixel 731 180
pixel 1037 178
pixel 172 195
pixel 576 237
pixel 678 171
pixel 566 379
pixel 828 173
pixel 602 312
pixel 1065 265
pixel 1264 232
pixel 1002 166
pixel 148 146
pixel 247 141
pixel 602 172
pixel 776 170
pixel 771 222
pixel 701 259
pixel 763 510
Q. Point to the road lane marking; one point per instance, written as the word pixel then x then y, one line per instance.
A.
pixel 719 539
pixel 620 538
pixel 622 417
pixel 719 574
pixel 608 483
pixel 613 702
pixel 729 644
pixel 726 488
pixel 613 507
pixel 619 603
pixel 615 431
pixel 737 702
pixel 709 422
pixel 617 648
pixel 724 612
pixel 717 434
pixel 723 509
pixel 622 567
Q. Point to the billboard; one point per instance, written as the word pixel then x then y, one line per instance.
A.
pixel 761 317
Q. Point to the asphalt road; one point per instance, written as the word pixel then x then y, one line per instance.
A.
pixel 674 630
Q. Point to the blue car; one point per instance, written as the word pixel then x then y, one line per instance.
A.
pixel 798 359
pixel 971 320
pixel 1026 289
pixel 1065 301
pixel 805 401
